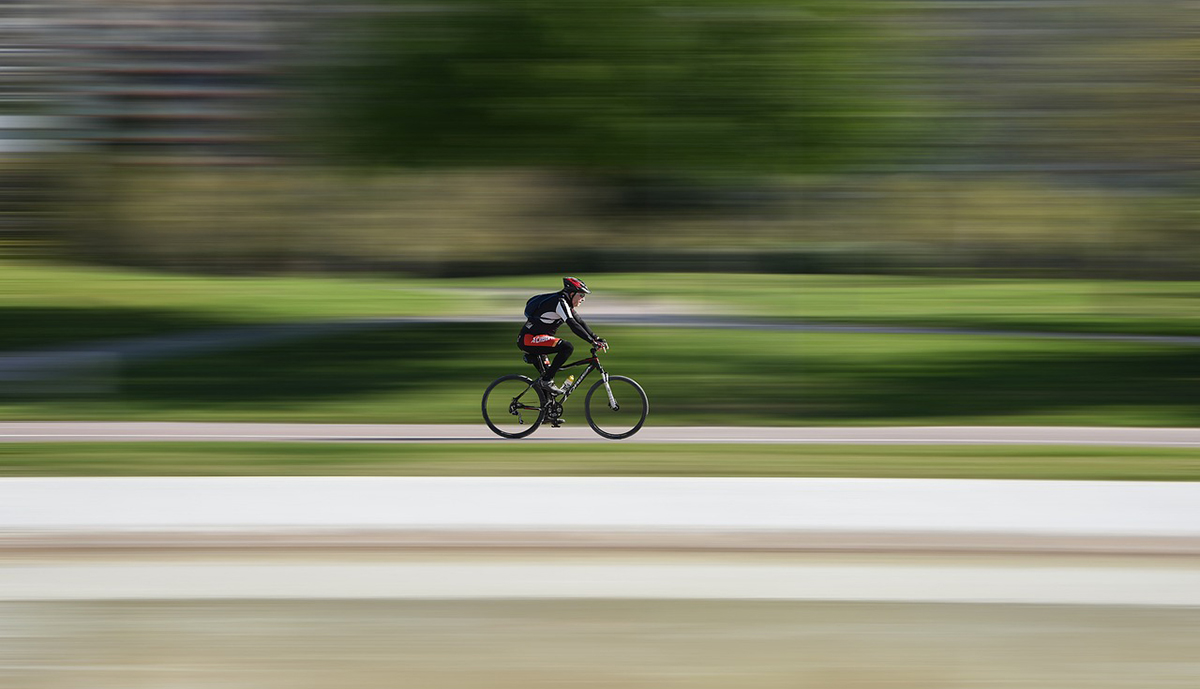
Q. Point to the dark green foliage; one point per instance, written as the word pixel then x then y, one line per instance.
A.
pixel 608 86
pixel 717 377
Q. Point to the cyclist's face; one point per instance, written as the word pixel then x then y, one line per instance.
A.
pixel 577 298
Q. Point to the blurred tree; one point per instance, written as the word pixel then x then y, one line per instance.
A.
pixel 609 86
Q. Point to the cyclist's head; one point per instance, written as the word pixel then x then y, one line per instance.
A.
pixel 575 286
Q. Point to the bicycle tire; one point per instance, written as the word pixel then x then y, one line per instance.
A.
pixel 639 398
pixel 495 425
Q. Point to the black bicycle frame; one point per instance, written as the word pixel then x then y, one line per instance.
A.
pixel 592 363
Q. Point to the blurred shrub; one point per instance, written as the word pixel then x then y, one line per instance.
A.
pixel 497 221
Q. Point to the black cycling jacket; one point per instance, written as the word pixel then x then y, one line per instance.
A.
pixel 547 312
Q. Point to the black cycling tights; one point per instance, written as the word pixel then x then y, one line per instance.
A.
pixel 562 352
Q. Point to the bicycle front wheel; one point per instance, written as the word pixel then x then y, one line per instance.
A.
pixel 616 408
pixel 512 408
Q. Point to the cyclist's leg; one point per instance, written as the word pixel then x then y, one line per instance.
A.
pixel 534 356
pixel 562 352
pixel 547 345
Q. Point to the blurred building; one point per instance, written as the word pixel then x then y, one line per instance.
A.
pixel 32 128
pixel 32 60
pixel 155 80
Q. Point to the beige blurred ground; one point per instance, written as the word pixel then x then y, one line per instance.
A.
pixel 598 644
pixel 380 618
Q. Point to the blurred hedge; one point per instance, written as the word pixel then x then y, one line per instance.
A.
pixel 477 222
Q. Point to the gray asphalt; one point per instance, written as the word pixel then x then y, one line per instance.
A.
pixel 50 431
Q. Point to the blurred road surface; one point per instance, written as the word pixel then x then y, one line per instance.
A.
pixel 33 431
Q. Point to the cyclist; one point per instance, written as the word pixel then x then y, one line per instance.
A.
pixel 544 314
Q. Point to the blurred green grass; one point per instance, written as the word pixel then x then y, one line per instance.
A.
pixel 1104 306
pixel 517 458
pixel 437 373
pixel 45 304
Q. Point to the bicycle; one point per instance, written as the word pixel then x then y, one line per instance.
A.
pixel 617 414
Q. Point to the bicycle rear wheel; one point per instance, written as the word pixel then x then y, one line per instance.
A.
pixel 512 408
pixel 620 415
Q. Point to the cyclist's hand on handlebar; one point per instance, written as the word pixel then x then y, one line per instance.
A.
pixel 602 345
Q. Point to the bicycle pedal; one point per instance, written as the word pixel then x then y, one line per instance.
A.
pixel 556 424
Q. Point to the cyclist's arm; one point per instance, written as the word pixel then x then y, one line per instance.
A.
pixel 576 323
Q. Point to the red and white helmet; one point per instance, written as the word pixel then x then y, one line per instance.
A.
pixel 573 285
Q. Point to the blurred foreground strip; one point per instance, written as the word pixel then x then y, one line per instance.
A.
pixel 1011 579
pixel 797 514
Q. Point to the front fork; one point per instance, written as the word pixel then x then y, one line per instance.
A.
pixel 612 401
